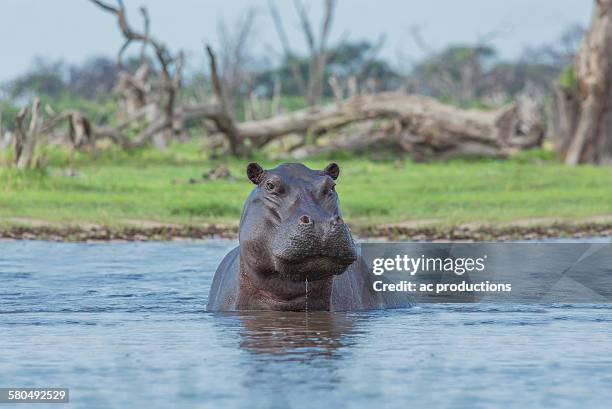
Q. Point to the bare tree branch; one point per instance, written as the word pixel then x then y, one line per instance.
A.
pixel 296 72
pixel 306 26
pixel 330 6
pixel 318 52
pixel 147 27
pixel 234 57
pixel 313 87
pixel 225 120
pixel 419 40
pixel 170 82
pixel 105 6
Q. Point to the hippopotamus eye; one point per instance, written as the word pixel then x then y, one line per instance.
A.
pixel 329 190
pixel 273 185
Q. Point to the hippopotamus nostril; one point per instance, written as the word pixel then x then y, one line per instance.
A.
pixel 336 220
pixel 305 219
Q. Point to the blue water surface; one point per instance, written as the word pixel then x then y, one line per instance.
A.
pixel 124 325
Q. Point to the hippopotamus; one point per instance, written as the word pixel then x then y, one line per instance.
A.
pixel 295 251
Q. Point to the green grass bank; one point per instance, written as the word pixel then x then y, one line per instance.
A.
pixel 115 189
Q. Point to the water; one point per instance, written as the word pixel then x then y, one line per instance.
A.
pixel 124 325
pixel 306 294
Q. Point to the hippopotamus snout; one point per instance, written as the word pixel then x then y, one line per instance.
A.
pixel 322 246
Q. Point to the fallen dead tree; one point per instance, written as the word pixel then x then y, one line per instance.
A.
pixel 414 123
pixel 411 123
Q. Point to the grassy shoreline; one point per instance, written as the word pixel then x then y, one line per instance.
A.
pixel 150 190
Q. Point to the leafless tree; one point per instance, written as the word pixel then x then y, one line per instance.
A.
pixel 224 119
pixel 235 56
pixel 444 74
pixel 136 91
pixel 317 47
pixel 581 115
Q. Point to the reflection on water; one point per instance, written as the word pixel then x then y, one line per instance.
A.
pixel 296 336
pixel 291 359
pixel 124 325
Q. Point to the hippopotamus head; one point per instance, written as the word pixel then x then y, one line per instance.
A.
pixel 291 224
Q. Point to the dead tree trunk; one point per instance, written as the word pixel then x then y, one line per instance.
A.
pixel 25 141
pixel 581 112
pixel 224 118
pixel 423 126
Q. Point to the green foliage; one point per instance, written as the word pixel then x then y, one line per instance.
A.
pixel 535 156
pixel 9 113
pixel 94 77
pixel 101 110
pixel 348 58
pixel 567 78
pixel 452 59
pixel 45 78
pixel 463 75
pixel 293 102
pixel 472 103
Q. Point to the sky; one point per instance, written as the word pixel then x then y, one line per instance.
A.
pixel 73 30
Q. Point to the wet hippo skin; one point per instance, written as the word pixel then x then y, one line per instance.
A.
pixel 295 252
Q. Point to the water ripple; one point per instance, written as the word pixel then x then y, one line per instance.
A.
pixel 124 325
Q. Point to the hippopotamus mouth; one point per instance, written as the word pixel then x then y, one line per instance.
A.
pixel 314 267
pixel 311 256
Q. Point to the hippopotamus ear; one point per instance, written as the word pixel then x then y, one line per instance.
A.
pixel 333 170
pixel 255 172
